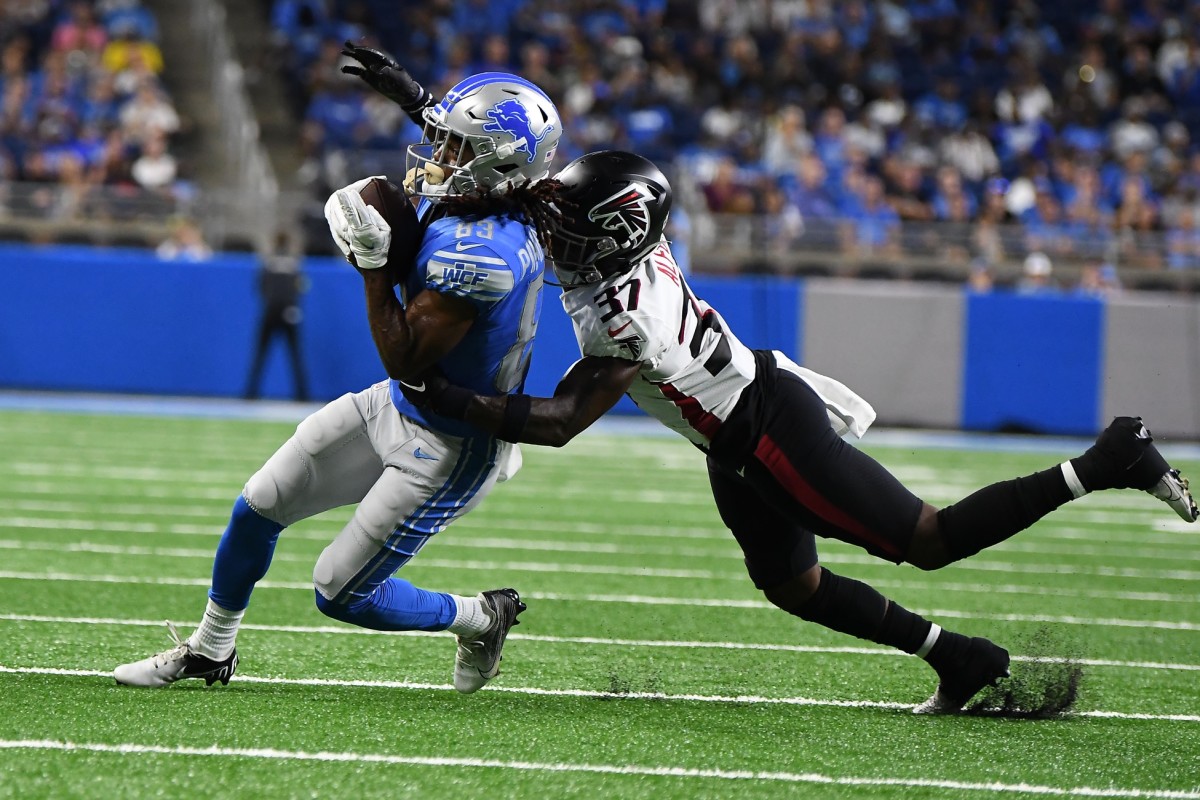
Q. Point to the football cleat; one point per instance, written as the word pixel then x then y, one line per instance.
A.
pixel 478 658
pixel 1172 489
pixel 1131 461
pixel 984 664
pixel 175 664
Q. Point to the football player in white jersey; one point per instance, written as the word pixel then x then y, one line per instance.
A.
pixel 779 469
pixel 469 305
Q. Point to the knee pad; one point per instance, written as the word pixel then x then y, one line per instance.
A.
pixel 286 473
pixel 342 562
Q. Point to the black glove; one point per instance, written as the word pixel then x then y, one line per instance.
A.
pixel 434 393
pixel 384 75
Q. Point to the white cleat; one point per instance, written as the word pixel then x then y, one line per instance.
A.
pixel 938 704
pixel 478 660
pixel 163 669
pixel 1172 489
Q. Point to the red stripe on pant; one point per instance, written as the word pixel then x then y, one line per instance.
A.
pixel 692 411
pixel 803 492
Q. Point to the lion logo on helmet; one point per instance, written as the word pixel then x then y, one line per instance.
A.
pixel 511 117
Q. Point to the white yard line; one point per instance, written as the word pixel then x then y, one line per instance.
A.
pixel 589 693
pixel 346 630
pixel 646 540
pixel 134 749
pixel 1169 625
pixel 979 564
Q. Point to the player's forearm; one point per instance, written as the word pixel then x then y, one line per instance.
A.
pixel 549 421
pixel 389 325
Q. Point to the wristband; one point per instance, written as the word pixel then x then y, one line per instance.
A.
pixel 516 414
pixel 423 100
pixel 452 402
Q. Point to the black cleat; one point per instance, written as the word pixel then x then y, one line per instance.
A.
pixel 478 659
pixel 984 664
pixel 175 664
pixel 1124 457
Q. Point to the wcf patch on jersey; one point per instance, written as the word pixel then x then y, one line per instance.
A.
pixel 463 274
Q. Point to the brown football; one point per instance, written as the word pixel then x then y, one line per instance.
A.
pixel 394 206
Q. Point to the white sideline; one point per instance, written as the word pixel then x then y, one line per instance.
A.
pixel 587 693
pixel 597 769
pixel 344 630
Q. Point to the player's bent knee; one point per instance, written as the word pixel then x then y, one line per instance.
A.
pixel 270 490
pixel 795 592
pixel 331 608
pixel 927 550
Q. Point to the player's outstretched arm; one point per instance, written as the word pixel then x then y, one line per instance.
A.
pixel 383 74
pixel 591 387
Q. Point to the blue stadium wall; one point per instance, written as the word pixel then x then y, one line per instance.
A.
pixel 82 319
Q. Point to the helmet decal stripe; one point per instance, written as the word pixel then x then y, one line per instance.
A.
pixel 468 85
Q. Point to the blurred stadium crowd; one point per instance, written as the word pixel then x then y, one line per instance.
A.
pixel 1007 128
pixel 961 131
pixel 83 109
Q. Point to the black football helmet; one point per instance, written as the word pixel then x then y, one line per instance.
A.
pixel 614 211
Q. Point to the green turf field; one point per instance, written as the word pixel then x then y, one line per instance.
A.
pixel 646 666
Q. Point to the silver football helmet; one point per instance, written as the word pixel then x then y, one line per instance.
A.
pixel 491 131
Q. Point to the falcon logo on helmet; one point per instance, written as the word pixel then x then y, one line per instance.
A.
pixel 626 211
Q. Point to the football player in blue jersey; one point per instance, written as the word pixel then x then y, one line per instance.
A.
pixel 468 309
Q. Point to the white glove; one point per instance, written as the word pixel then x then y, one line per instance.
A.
pixel 358 230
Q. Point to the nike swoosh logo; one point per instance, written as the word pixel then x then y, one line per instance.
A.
pixel 461 246
pixel 416 387
pixel 615 331
pixel 425 456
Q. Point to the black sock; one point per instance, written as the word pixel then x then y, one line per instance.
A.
pixel 849 606
pixel 1092 474
pixel 948 651
pixel 996 512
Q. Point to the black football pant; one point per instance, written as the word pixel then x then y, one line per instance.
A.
pixel 780 474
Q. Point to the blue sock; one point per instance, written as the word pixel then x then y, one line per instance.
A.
pixel 243 556
pixel 395 605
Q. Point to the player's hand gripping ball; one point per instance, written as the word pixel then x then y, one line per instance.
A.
pixel 375 226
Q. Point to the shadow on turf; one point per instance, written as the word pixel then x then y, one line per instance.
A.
pixel 1044 685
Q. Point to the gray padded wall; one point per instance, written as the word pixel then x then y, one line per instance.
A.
pixel 900 346
pixel 1152 362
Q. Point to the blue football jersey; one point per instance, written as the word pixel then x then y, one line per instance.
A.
pixel 496 264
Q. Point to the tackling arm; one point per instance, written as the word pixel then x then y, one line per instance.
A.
pixel 592 386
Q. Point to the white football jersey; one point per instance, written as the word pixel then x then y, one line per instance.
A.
pixel 693 368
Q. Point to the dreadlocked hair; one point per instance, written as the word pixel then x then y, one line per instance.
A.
pixel 531 203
